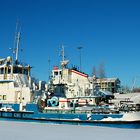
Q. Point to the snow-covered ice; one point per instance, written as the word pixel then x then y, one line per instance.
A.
pixel 10 130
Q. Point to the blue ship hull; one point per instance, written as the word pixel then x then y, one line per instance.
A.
pixel 33 115
pixel 66 119
pixel 117 124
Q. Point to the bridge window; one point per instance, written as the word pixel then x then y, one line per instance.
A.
pixel 9 70
pixel 17 70
pixel 1 70
pixel 55 73
pixel 4 97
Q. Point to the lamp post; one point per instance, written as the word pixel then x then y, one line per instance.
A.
pixel 80 59
pixel 49 62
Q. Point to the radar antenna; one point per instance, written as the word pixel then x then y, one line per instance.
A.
pixel 63 62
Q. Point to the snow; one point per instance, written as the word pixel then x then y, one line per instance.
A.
pixel 10 130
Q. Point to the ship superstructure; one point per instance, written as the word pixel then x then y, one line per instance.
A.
pixel 69 82
pixel 16 84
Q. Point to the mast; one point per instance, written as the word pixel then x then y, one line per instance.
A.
pixel 63 53
pixel 17 40
pixel 15 48
pixel 17 45
pixel 63 62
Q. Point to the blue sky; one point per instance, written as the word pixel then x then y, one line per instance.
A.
pixel 108 31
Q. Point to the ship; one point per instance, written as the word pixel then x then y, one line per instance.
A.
pixel 17 86
pixel 67 100
pixel 70 111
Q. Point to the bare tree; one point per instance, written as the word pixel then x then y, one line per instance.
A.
pixel 94 72
pixel 101 71
pixel 136 90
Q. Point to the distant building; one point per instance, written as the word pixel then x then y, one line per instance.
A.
pixel 106 84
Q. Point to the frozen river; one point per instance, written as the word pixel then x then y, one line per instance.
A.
pixel 41 131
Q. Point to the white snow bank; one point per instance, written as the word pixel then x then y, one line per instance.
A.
pixel 43 131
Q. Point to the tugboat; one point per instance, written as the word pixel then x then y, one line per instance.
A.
pixel 70 111
pixel 18 95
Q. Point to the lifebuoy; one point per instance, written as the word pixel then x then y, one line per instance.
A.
pixel 53 102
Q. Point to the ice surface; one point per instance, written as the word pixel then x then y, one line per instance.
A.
pixel 42 131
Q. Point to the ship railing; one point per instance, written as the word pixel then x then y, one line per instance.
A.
pixel 129 107
pixel 65 110
pixel 71 111
pixel 8 77
pixel 8 102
